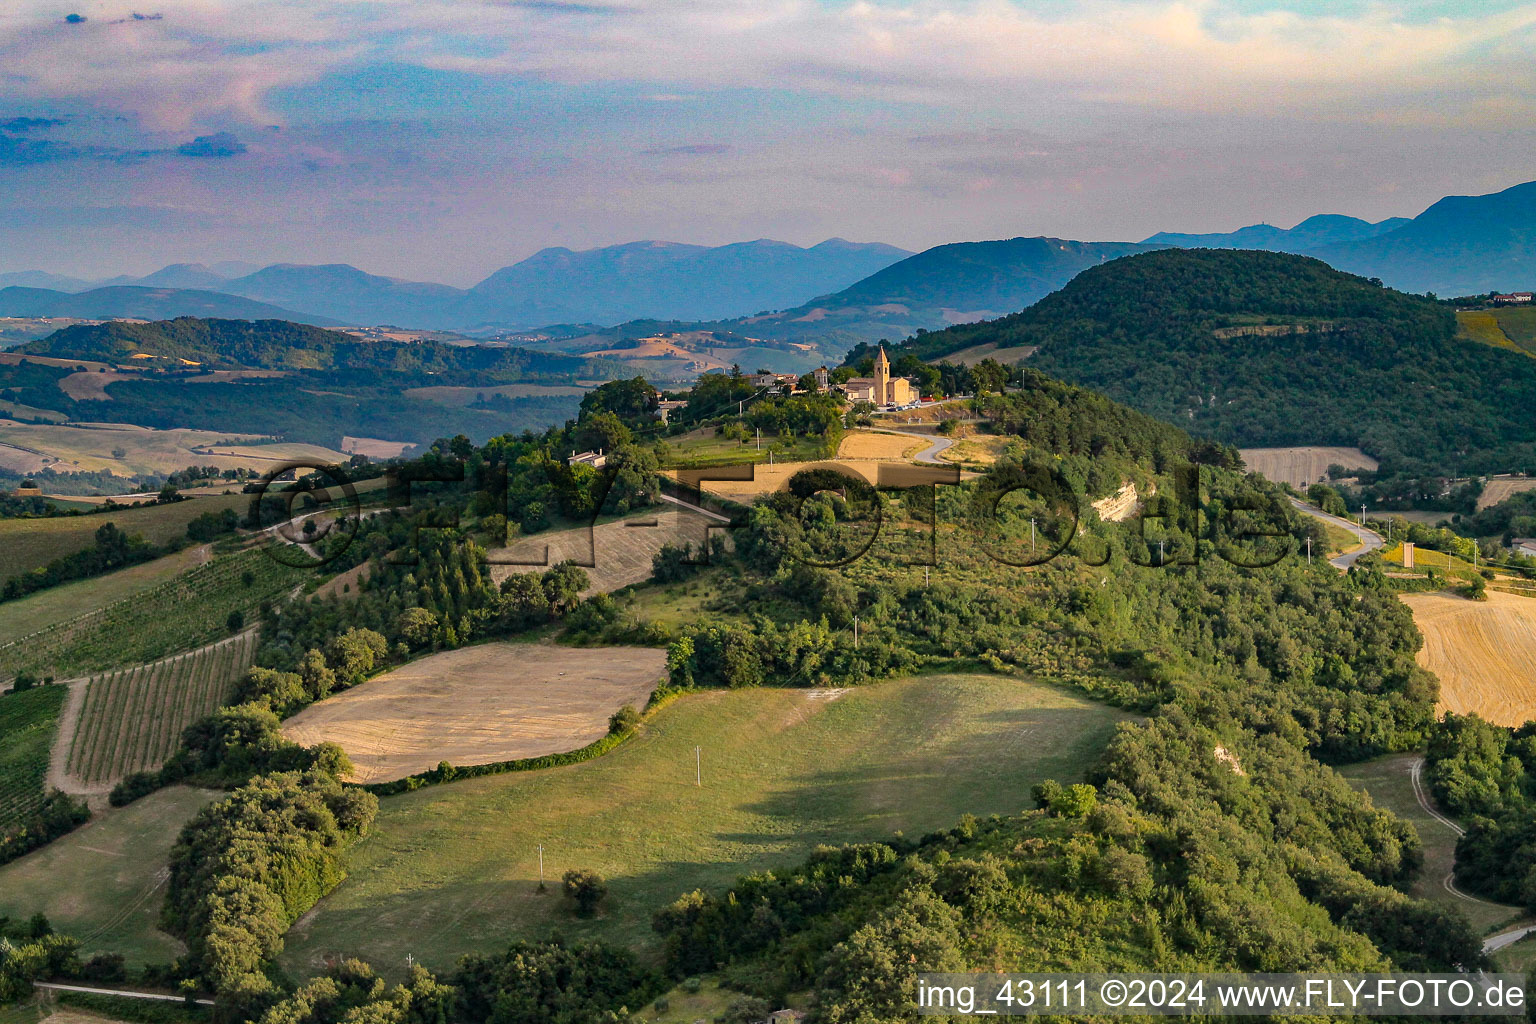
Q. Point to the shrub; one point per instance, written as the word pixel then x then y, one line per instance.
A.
pixel 585 888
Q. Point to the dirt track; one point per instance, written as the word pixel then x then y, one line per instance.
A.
pixel 1483 651
pixel 477 705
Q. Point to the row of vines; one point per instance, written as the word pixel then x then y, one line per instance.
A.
pixel 133 718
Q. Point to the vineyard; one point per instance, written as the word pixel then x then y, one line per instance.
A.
pixel 27 722
pixel 132 718
pixel 189 611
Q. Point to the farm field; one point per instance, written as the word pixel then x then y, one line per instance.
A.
pixel 28 721
pixel 1301 467
pixel 131 720
pixel 479 705
pixel 185 612
pixel 767 479
pixel 454 868
pixel 1500 487
pixel 615 554
pixel 70 600
pixel 871 444
pixel 978 449
pixel 1483 651
pixel 26 544
pixel 976 353
pixel 83 447
pixel 102 882
pixel 1390 786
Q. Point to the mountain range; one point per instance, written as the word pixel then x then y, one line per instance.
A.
pixel 1461 245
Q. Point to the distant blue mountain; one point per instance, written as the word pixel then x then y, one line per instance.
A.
pixel 1322 229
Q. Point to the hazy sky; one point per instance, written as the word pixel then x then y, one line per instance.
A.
pixel 441 139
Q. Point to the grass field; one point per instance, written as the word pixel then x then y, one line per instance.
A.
pixel 26 544
pixel 767 479
pixel 184 613
pixel 1303 466
pixel 132 719
pixel 102 882
pixel 449 869
pixel 703 448
pixel 1388 782
pixel 28 721
pixel 478 705
pixel 1483 651
pixel 59 604
pixel 1506 327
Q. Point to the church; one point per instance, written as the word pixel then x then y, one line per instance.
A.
pixel 882 388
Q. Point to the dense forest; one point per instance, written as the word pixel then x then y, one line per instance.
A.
pixel 1267 349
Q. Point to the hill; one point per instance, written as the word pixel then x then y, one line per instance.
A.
pixel 1462 245
pixel 669 280
pixel 276 344
pixel 1318 230
pixel 1261 349
pixel 141 303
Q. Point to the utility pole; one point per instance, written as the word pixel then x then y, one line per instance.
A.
pixel 1309 550
pixel 759 438
pixel 925 577
pixel 541 867
pixel 1031 534
pixel 1159 552
pixel 698 767
pixel 855 632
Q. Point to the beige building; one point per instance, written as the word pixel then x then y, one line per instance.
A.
pixel 882 388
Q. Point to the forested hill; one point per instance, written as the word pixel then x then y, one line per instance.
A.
pixel 1262 348
pixel 278 344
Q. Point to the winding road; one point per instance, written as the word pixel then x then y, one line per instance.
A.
pixel 1492 943
pixel 1369 540
pixel 929 454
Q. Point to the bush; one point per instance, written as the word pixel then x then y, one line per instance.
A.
pixel 624 720
pixel 132 787
pixel 585 888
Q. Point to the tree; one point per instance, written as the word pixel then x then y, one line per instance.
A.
pixel 624 720
pixel 585 888
pixel 633 401
pixel 416 626
pixel 563 585
pixel 236 621
pixel 168 494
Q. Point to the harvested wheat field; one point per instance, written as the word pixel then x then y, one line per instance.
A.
pixel 1483 651
pixel 1305 466
pixel 1500 487
pixel 870 444
pixel 478 705
pixel 767 479
pixel 614 554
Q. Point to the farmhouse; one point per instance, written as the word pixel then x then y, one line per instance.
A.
pixel 1524 546
pixel 597 460
pixel 882 388
pixel 666 407
pixel 1512 299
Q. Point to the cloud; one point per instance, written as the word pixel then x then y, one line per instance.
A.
pixel 217 146
pixel 29 124
pixel 698 149
pixel 209 59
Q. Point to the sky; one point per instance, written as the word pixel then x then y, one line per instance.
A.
pixel 442 139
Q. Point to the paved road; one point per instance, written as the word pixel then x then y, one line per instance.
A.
pixel 1493 942
pixel 929 454
pixel 1370 540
